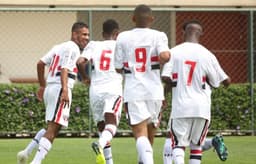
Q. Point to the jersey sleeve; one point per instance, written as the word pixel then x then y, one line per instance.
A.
pixel 47 58
pixel 167 69
pixel 162 42
pixel 88 51
pixel 118 57
pixel 215 73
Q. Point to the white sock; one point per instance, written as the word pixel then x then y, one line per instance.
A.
pixel 178 155
pixel 145 150
pixel 195 154
pixel 34 143
pixel 207 144
pixel 107 135
pixel 44 147
pixel 108 154
pixel 167 152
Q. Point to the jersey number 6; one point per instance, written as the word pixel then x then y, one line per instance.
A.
pixel 105 60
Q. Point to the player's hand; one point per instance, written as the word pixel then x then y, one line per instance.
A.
pixel 64 98
pixel 86 81
pixel 40 93
pixel 164 105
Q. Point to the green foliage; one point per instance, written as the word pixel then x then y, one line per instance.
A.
pixel 20 111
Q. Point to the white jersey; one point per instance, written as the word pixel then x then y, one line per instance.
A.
pixel 192 67
pixel 104 78
pixel 137 52
pixel 61 56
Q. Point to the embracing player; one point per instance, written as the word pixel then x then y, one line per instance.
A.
pixel 56 90
pixel 105 89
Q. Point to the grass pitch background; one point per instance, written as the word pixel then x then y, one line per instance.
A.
pixel 242 150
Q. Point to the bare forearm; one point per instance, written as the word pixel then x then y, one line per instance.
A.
pixel 64 78
pixel 40 73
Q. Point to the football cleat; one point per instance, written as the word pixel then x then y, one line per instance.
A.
pixel 220 147
pixel 100 159
pixel 22 157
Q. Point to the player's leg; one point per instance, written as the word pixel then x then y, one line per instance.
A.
pixel 195 154
pixel 207 144
pixel 167 151
pixel 46 141
pixel 198 134
pixel 57 115
pixel 112 114
pixel 139 116
pixel 111 111
pixel 23 155
pixel 180 130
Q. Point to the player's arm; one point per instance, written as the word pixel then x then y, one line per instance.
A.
pixel 41 79
pixel 164 57
pixel 64 86
pixel 216 74
pixel 81 65
pixel 226 82
pixel 118 57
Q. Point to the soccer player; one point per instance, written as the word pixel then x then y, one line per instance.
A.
pixel 139 53
pixel 194 70
pixel 217 142
pixel 56 90
pixel 105 89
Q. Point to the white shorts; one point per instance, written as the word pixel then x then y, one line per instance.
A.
pixel 138 111
pixel 106 103
pixel 188 130
pixel 55 111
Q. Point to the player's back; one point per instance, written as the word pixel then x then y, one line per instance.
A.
pixel 103 74
pixel 140 50
pixel 191 93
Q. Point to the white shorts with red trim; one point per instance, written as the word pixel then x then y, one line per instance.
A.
pixel 56 111
pixel 185 131
pixel 138 111
pixel 106 103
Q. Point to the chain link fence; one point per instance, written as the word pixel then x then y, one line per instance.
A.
pixel 230 34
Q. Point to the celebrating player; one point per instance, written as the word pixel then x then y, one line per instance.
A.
pixel 57 95
pixel 139 52
pixel 193 70
pixel 105 89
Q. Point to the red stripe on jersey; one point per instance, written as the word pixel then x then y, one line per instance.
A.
pixel 60 109
pixel 116 107
pixel 154 58
pixel 75 70
pixel 195 152
pixel 204 78
pixel 126 64
pixel 54 64
pixel 174 76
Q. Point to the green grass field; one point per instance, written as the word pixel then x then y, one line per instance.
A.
pixel 78 151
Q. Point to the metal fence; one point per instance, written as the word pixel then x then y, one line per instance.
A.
pixel 230 33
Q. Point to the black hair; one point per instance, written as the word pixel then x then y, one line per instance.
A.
pixel 109 26
pixel 142 9
pixel 191 22
pixel 78 25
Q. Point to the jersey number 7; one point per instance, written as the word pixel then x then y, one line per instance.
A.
pixel 192 65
